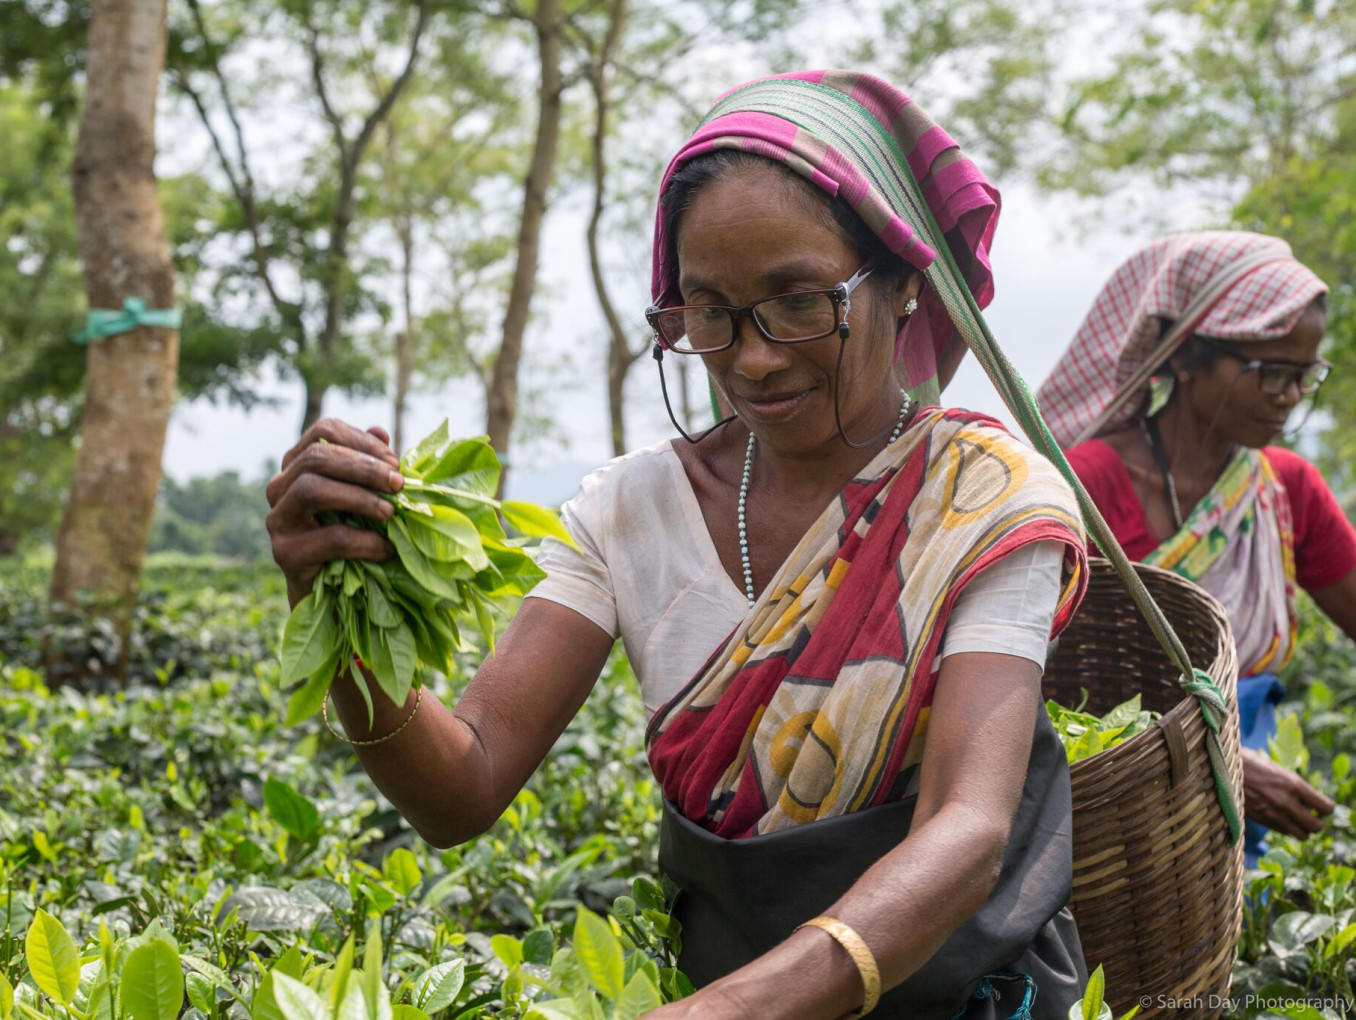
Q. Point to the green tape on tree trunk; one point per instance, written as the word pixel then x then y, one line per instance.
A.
pixel 106 322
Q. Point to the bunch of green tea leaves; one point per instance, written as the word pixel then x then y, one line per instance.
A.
pixel 1084 734
pixel 453 562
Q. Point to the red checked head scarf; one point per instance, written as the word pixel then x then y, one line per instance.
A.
pixel 860 138
pixel 1229 285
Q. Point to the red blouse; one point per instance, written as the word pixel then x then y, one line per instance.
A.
pixel 1325 542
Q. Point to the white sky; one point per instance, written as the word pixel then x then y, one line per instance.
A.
pixel 1044 285
pixel 1045 275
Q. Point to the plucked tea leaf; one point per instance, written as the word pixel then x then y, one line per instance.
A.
pixel 308 637
pixel 468 464
pixel 417 459
pixel 535 521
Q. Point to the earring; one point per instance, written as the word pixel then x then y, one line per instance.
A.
pixel 1183 377
pixel 910 307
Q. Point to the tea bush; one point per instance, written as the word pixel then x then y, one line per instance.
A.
pixel 1299 924
pixel 179 819
pixel 180 814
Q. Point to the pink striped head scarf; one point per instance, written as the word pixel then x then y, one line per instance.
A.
pixel 1227 284
pixel 860 138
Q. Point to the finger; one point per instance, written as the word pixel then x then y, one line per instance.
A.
pixel 339 433
pixel 380 433
pixel 312 495
pixel 309 550
pixel 341 463
pixel 1317 800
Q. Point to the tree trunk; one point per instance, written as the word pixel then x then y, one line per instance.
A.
pixel 130 377
pixel 502 400
pixel 406 338
pixel 620 357
pixel 314 404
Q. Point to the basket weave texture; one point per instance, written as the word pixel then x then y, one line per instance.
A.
pixel 1157 890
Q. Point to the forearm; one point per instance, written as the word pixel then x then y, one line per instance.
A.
pixel 904 907
pixel 433 771
pixel 451 772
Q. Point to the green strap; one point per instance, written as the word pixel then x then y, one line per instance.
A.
pixel 105 322
pixel 945 277
pixel 843 129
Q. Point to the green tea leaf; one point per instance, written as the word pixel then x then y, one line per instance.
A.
pixel 508 949
pixel 402 871
pixel 1295 930
pixel 380 609
pixel 450 538
pixel 437 987
pixel 556 1009
pixel 52 958
pixel 638 997
pixel 468 464
pixel 1121 716
pixel 378 999
pixel 421 570
pixel 340 984
pixel 202 993
pixel 296 1001
pixel 6 997
pixel 307 699
pixel 404 1011
pixel 1093 994
pixel 152 986
pixel 309 637
pixel 1287 746
pixel 290 809
pixel 599 953
pixel 535 521
pixel 422 455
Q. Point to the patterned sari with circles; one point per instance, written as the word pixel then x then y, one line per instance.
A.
pixel 817 704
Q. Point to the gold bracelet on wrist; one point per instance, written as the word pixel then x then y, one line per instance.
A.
pixel 861 955
pixel 325 714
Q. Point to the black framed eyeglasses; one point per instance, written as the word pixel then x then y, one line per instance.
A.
pixel 793 318
pixel 1275 377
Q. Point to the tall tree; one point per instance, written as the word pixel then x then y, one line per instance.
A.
pixel 130 377
pixel 41 371
pixel 547 22
pixel 453 141
pixel 298 237
pixel 629 53
pixel 1247 108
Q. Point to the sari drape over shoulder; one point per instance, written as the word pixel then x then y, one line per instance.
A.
pixel 817 705
pixel 1238 543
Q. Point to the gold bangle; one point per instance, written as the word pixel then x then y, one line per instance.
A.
pixel 325 714
pixel 861 955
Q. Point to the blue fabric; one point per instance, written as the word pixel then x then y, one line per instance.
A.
pixel 1258 697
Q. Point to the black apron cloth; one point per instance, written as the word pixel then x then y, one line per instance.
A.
pixel 741 897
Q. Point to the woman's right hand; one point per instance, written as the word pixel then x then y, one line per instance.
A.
pixel 334 467
pixel 1280 799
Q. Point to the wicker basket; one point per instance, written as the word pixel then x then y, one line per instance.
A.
pixel 1157 890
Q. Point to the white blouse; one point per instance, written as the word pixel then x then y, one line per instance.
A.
pixel 647 571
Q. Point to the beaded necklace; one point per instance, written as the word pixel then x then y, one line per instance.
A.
pixel 744 495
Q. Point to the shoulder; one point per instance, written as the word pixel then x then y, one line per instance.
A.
pixel 1298 475
pixel 640 474
pixel 978 454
